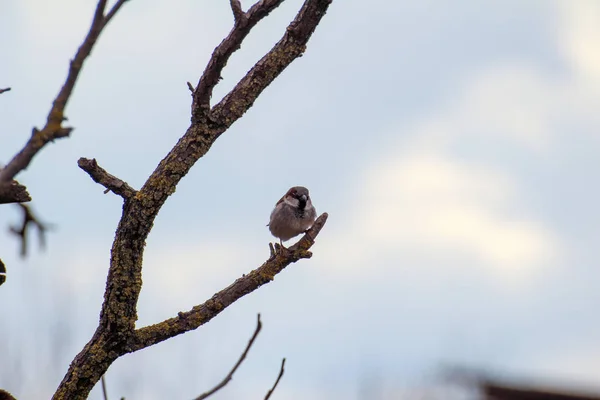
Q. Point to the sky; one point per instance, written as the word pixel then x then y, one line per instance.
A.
pixel 453 144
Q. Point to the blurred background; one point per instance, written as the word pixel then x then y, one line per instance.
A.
pixel 454 144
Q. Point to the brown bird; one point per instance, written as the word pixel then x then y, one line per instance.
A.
pixel 293 214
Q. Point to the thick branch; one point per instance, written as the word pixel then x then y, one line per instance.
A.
pixel 14 192
pixel 244 22
pixel 201 314
pixel 110 182
pixel 53 128
pixel 281 371
pixel 229 376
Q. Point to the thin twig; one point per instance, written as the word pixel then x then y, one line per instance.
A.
pixel 104 391
pixel 229 376
pixel 4 90
pixel 191 87
pixel 113 11
pixel 236 7
pixel 29 219
pixel 110 182
pixel 281 371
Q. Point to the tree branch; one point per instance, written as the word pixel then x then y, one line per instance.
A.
pixel 110 182
pixel 13 192
pixel 53 129
pixel 104 390
pixel 4 90
pixel 236 7
pixel 281 371
pixel 290 47
pixel 244 22
pixel 236 366
pixel 29 219
pixel 116 334
pixel 203 313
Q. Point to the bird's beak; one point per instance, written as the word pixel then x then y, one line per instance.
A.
pixel 303 198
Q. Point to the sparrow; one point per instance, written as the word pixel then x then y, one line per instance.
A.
pixel 293 214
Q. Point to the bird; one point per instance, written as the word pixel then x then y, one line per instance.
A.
pixel 293 214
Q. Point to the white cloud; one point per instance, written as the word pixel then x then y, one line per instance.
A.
pixel 430 202
pixel 579 38
pixel 421 195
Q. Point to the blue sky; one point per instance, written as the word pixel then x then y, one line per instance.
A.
pixel 453 145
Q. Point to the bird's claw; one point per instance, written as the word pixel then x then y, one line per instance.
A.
pixel 275 248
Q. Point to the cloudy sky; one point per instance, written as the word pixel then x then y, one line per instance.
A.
pixel 454 144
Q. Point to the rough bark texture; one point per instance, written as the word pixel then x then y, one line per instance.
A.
pixel 110 182
pixel 116 334
pixel 13 192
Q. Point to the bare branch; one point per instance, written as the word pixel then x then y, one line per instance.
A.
pixel 29 219
pixel 4 90
pixel 201 314
pixel 290 47
pixel 53 129
pixel 191 87
pixel 104 391
pixel 244 22
pixel 110 182
pixel 236 7
pixel 14 192
pixel 116 334
pixel 281 371
pixel 236 366
pixel 113 11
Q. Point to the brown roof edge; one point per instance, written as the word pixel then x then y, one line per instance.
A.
pixel 497 391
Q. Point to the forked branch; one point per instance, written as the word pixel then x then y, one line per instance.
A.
pixel 29 220
pixel 116 333
pixel 244 22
